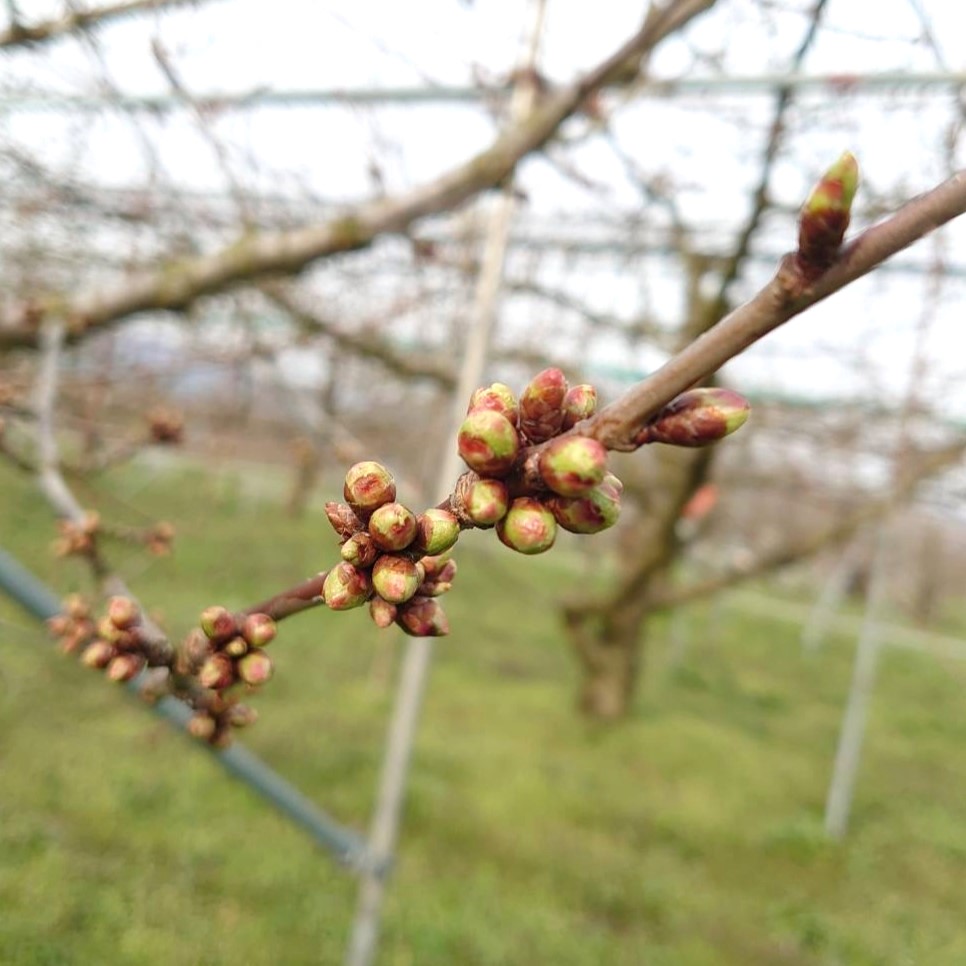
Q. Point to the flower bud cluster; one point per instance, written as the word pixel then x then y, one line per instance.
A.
pixel 392 558
pixel 77 538
pixel 227 651
pixel 568 486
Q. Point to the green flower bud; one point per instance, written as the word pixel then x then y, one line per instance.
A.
pixel 436 531
pixel 360 550
pixel 485 502
pixel 217 673
pixel 346 587
pixel 497 397
pixel 541 405
pixel 423 617
pixel 395 579
pixel 368 485
pixel 826 213
pixel 259 630
pixel 572 465
pixel 236 647
pixel 488 442
pixel 579 403
pixel 393 527
pixel 218 623
pixel 528 527
pixel 594 511
pixel 697 417
pixel 382 612
pixel 254 668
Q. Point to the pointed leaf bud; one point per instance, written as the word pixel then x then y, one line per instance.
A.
pixel 124 667
pixel 572 465
pixel 528 527
pixel 590 513
pixel 217 673
pixel 360 550
pixel 436 531
pixel 579 403
pixel 497 397
pixel 368 485
pixel 97 654
pixel 254 668
pixel 488 442
pixel 259 630
pixel 395 579
pixel 123 612
pixel 825 215
pixel 346 587
pixel 343 519
pixel 218 623
pixel 697 417
pixel 541 405
pixel 382 612
pixel 393 526
pixel 423 617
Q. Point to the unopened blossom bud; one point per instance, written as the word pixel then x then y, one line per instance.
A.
pixel 393 526
pixel 528 527
pixel 236 647
pixel 368 485
pixel 254 668
pixel 59 625
pixel 423 617
pixel 497 397
pixel 486 502
pixel 395 578
pixel 572 465
pixel 218 622
pixel 440 583
pixel 346 587
pixel 259 630
pixel 591 513
pixel 825 215
pixel 241 715
pixel 217 673
pixel 436 531
pixel 430 566
pixel 579 403
pixel 697 417
pixel 123 612
pixel 97 654
pixel 76 607
pixel 541 405
pixel 343 519
pixel 360 550
pixel 202 726
pixel 382 612
pixel 124 667
pixel 488 442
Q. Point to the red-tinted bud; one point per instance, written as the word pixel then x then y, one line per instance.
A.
pixel 241 716
pixel 343 519
pixel 436 531
pixel 123 667
pixel 579 403
pixel 497 397
pixel 541 405
pixel 259 630
pixel 528 527
pixel 97 654
pixel 202 726
pixel 393 527
pixel 395 579
pixel 123 612
pixel 488 442
pixel 346 587
pixel 433 565
pixel 218 623
pixel 382 612
pixel 697 417
pixel 572 465
pixel 254 668
pixel 825 215
pixel 591 513
pixel 236 647
pixel 480 501
pixel 368 485
pixel 360 550
pixel 217 673
pixel 440 583
pixel 423 617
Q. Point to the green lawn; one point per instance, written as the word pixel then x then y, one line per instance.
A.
pixel 690 835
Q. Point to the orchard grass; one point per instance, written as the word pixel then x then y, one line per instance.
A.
pixel 690 835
